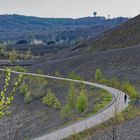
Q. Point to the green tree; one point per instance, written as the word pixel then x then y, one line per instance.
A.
pixel 82 101
pixel 71 99
pixel 57 104
pixel 98 75
pixel 49 99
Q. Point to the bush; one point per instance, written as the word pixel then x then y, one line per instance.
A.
pixel 51 100
pixel 82 101
pixel 73 75
pixel 2 52
pixel 13 55
pixel 98 75
pixel 66 112
pixel 71 100
pixel 24 88
pixel 115 83
pixel 130 90
pixel 57 104
pixel 28 97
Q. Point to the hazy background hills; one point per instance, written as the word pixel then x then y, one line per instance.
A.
pixel 16 27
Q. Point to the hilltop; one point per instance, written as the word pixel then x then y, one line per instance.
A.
pixel 125 35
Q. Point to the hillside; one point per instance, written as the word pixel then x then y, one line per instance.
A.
pixel 125 35
pixel 120 63
pixel 25 27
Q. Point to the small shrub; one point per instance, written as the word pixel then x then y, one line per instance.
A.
pixel 71 99
pixel 49 99
pixel 73 75
pixel 28 97
pixel 24 88
pixel 82 101
pixel 98 75
pixel 13 55
pixel 57 104
pixel 66 112
pixel 130 90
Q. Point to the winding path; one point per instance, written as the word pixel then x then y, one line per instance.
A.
pixel 117 105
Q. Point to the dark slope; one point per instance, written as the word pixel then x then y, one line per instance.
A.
pixel 120 63
pixel 127 34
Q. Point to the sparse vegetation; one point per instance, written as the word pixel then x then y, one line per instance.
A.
pixel 51 100
pixel 126 86
pixel 82 101
pixel 98 75
pixel 71 100
pixel 66 112
pixel 28 97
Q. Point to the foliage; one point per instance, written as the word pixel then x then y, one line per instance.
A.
pixel 82 101
pixel 28 97
pixel 66 112
pixel 51 100
pixel 2 53
pixel 106 99
pixel 71 99
pixel 13 55
pixel 27 55
pixel 57 104
pixel 24 88
pixel 19 69
pixel 115 83
pixel 5 101
pixel 73 75
pixel 57 74
pixel 130 89
pixel 98 75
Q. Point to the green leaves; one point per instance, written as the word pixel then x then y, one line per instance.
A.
pixel 98 75
pixel 5 101
pixel 51 100
pixel 82 101
pixel 71 99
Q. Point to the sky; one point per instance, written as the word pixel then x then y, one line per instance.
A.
pixel 70 8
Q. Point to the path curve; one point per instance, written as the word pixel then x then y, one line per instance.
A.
pixel 117 105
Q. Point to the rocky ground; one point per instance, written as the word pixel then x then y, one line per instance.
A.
pixel 129 130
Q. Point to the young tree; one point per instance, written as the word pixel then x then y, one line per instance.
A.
pixel 24 88
pixel 49 99
pixel 98 75
pixel 28 97
pixel 5 101
pixel 71 99
pixel 57 104
pixel 82 101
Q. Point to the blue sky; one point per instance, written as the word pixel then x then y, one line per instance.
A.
pixel 70 8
